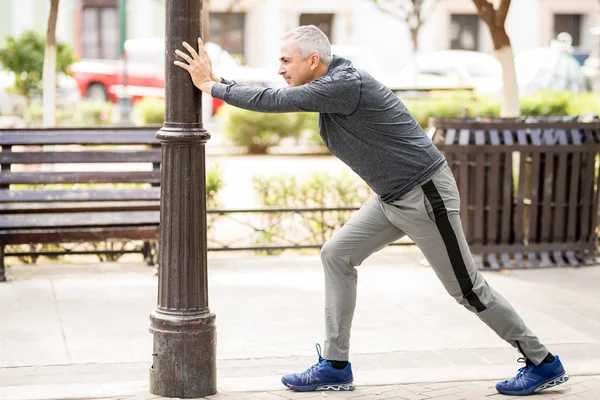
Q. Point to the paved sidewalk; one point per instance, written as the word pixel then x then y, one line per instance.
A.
pixel 81 332
pixel 581 387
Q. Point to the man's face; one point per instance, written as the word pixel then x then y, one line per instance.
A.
pixel 292 67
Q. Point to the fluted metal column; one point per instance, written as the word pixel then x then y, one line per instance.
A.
pixel 184 356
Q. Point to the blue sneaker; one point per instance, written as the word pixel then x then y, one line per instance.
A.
pixel 531 378
pixel 321 376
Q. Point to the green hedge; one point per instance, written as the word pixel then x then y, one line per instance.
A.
pixel 541 104
pixel 258 131
pixel 85 113
pixel 150 111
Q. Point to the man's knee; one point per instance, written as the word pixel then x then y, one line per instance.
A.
pixel 332 254
pixel 329 251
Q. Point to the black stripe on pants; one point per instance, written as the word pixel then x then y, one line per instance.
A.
pixel 452 247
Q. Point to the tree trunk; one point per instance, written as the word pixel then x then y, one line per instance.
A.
pixel 414 35
pixel 510 90
pixel 49 72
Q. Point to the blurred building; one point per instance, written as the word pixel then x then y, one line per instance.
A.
pixel 250 29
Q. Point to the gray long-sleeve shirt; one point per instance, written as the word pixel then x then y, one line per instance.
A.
pixel 361 122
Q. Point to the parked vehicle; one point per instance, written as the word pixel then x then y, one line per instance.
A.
pixel 544 68
pixel 102 80
pixel 453 69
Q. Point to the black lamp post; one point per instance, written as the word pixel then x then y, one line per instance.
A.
pixel 184 356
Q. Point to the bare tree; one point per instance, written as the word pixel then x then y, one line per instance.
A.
pixel 49 71
pixel 412 12
pixel 495 19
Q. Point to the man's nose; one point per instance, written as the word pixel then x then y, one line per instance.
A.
pixel 281 71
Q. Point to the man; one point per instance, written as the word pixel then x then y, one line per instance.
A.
pixel 366 126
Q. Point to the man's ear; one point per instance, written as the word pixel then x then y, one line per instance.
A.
pixel 314 61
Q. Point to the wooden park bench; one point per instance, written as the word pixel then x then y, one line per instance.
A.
pixel 79 185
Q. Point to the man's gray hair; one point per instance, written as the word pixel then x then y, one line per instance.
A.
pixel 311 40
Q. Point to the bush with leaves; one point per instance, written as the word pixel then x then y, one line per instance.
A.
pixel 85 113
pixel 24 56
pixel 539 104
pixel 258 131
pixel 150 111
pixel 319 190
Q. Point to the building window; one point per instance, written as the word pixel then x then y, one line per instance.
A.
pixel 570 23
pixel 464 32
pixel 227 30
pixel 100 29
pixel 322 21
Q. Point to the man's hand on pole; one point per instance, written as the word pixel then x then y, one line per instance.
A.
pixel 198 65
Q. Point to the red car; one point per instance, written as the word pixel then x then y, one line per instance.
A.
pixel 102 80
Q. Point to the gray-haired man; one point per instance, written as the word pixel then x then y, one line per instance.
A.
pixel 367 127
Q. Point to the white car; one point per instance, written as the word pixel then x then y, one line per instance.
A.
pixel 454 69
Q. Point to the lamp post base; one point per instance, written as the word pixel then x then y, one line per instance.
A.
pixel 184 356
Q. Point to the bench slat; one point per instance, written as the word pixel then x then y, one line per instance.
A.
pixel 66 235
pixel 80 177
pixel 73 220
pixel 80 206
pixel 9 196
pixel 83 137
pixel 70 157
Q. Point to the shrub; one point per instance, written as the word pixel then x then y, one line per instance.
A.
pixel 34 116
pixel 539 104
pixel 86 113
pixel 452 106
pixel 319 190
pixel 258 131
pixel 150 111
pixel 25 57
pixel 90 113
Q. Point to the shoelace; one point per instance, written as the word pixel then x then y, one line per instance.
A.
pixel 308 374
pixel 528 366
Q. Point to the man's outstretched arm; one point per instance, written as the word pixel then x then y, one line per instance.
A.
pixel 326 95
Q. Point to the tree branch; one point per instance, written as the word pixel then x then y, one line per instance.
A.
pixel 486 11
pixel 502 12
pixel 398 11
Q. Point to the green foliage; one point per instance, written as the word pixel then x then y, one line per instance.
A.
pixel 452 106
pixel 560 103
pixel 214 184
pixel 317 191
pixel 540 104
pixel 90 112
pixel 311 129
pixel 258 131
pixel 34 115
pixel 86 113
pixel 150 111
pixel 25 57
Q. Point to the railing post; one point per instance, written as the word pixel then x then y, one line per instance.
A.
pixel 184 356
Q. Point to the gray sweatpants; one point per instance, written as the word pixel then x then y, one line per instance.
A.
pixel 429 215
